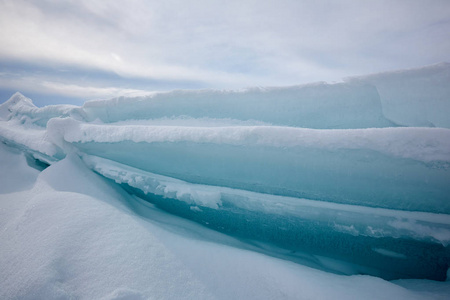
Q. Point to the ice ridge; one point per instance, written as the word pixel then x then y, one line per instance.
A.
pixel 357 171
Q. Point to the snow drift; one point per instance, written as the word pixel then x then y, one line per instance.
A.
pixel 357 172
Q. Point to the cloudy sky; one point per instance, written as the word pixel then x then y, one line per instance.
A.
pixel 57 51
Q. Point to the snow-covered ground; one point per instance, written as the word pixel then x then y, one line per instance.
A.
pixel 67 233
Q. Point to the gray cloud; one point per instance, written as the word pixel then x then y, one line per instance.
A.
pixel 226 43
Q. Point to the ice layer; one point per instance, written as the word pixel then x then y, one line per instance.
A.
pixel 357 172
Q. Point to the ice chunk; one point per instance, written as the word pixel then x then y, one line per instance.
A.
pixel 416 97
pixel 17 102
pixel 401 168
pixel 318 105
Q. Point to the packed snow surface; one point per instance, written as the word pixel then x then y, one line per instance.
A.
pixel 348 178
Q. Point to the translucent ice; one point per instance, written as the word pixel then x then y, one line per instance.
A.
pixel 357 171
pixel 417 97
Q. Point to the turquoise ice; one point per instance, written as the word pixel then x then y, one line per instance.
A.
pixel 353 177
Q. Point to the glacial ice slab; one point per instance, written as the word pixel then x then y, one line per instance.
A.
pixel 320 169
pixel 381 242
pixel 318 105
pixel 408 98
pixel 399 168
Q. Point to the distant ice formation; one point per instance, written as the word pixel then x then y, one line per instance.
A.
pixel 357 171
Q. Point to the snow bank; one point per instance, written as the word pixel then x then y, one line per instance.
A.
pixel 23 177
